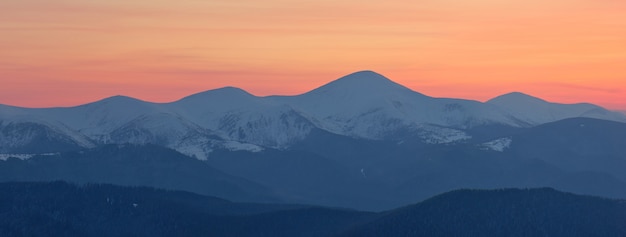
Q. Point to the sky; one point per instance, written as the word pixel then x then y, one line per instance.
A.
pixel 70 52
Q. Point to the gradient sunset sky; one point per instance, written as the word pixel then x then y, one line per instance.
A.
pixel 69 52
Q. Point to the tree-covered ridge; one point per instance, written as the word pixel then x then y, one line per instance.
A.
pixel 503 212
pixel 62 209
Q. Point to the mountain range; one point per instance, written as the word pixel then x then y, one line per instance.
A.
pixel 361 141
pixel 363 105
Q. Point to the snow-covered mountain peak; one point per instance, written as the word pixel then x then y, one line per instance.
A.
pixel 536 111
pixel 224 93
pixel 119 99
pixel 363 104
pixel 353 95
pixel 367 83
pixel 365 76
pixel 222 99
pixel 115 107
pixel 516 98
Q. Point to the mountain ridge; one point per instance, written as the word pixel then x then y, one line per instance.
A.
pixel 64 209
pixel 358 75
pixel 515 95
pixel 363 105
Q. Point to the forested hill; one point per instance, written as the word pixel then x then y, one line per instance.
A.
pixel 506 212
pixel 62 209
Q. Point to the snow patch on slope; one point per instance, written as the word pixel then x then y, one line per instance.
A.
pixel 238 146
pixel 439 135
pixel 21 130
pixel 500 144
pixel 18 156
pixel 5 157
pixel 198 147
pixel 276 127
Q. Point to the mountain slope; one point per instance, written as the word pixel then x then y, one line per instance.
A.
pixel 537 111
pixel 135 165
pixel 36 136
pixel 368 105
pixel 578 144
pixel 61 209
pixel 507 212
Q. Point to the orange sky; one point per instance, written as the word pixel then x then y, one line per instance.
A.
pixel 68 52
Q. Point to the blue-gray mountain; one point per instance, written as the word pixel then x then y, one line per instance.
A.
pixel 361 141
pixel 135 165
pixel 362 105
